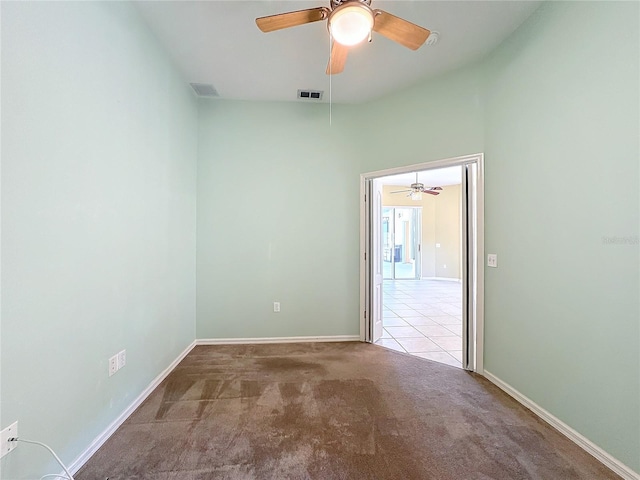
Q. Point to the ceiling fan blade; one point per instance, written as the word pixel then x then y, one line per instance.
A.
pixel 402 191
pixel 400 31
pixel 435 188
pixel 291 19
pixel 431 192
pixel 338 58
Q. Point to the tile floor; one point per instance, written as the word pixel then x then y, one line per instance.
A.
pixel 404 271
pixel 423 318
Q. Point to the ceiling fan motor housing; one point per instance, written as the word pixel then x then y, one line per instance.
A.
pixel 337 3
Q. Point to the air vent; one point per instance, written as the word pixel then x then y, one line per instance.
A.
pixel 204 90
pixel 310 94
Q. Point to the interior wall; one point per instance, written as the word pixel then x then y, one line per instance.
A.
pixel 562 318
pixel 438 119
pixel 302 248
pixel 99 141
pixel 441 241
pixel 447 225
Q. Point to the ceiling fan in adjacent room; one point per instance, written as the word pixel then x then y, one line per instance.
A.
pixel 417 189
pixel 349 23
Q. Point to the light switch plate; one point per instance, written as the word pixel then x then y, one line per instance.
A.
pixel 122 359
pixel 492 260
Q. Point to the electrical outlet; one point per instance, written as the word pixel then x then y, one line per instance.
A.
pixel 5 445
pixel 276 307
pixel 122 359
pixel 113 365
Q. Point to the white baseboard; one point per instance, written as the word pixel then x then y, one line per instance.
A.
pixel 587 445
pixel 234 341
pixel 614 464
pixel 110 430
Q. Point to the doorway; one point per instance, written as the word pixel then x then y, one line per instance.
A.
pixel 401 242
pixel 455 319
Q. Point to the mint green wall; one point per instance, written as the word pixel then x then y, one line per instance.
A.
pixel 99 141
pixel 278 202
pixel 562 157
pixel 438 119
pixel 278 217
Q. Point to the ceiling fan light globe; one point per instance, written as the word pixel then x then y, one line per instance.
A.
pixel 416 196
pixel 351 24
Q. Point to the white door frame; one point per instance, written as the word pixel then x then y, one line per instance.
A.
pixel 475 287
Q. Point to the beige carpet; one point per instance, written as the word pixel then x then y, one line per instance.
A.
pixel 332 411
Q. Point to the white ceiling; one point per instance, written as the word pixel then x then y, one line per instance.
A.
pixel 439 177
pixel 218 42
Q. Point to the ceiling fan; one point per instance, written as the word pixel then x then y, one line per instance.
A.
pixel 349 23
pixel 417 188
